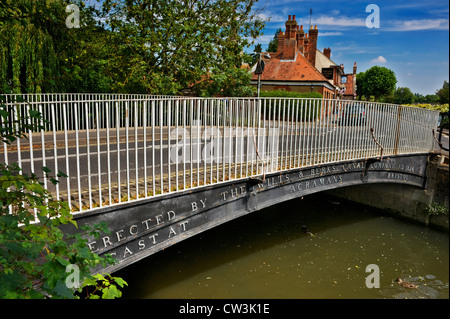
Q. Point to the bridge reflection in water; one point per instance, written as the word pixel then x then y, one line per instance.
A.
pixel 161 169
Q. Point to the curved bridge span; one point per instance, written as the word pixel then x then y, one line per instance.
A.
pixel 142 228
pixel 158 170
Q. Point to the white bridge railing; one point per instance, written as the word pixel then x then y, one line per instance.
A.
pixel 119 148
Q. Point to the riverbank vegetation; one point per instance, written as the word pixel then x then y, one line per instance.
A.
pixel 37 260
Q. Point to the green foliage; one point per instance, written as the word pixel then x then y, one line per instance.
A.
pixel 123 46
pixel 308 111
pixel 273 44
pixel 376 81
pixel 34 252
pixel 427 99
pixel 31 34
pixel 402 96
pixel 443 93
pixel 281 93
pixel 360 84
pixel 102 286
pixel 167 47
pixel 231 82
pixel 436 209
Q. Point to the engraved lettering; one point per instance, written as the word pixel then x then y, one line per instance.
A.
pixel 183 225
pixel 224 194
pixel 133 232
pixel 153 238
pixel 146 223
pixel 171 215
pixel 158 219
pixel 398 176
pixel 316 182
pixel 194 206
pixel 92 246
pixel 106 241
pixel 119 235
pixel 141 244
pixel 127 251
pixel 171 232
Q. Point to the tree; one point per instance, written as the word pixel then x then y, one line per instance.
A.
pixel 122 46
pixel 32 34
pixel 443 93
pixel 403 96
pixel 361 85
pixel 432 98
pixel 165 47
pixel 273 44
pixel 377 81
pixel 39 53
pixel 232 82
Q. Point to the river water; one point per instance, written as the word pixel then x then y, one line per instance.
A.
pixel 267 255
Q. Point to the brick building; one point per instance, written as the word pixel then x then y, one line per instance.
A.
pixel 300 67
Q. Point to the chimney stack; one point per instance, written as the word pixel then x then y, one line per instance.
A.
pixel 327 52
pixel 301 39
pixel 354 68
pixel 289 46
pixel 281 42
pixel 312 47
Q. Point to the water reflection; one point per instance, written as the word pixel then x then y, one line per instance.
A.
pixel 267 255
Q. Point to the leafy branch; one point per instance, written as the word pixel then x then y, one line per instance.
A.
pixel 34 252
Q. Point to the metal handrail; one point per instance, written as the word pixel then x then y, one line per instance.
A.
pixel 119 148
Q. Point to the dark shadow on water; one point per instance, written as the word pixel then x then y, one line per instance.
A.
pixel 240 237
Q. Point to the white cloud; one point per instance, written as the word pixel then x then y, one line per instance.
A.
pixel 264 39
pixel 380 59
pixel 272 17
pixel 329 34
pixel 416 25
pixel 339 22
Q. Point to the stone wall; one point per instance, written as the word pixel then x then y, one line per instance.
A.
pixel 407 201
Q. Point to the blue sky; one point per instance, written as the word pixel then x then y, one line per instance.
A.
pixel 412 39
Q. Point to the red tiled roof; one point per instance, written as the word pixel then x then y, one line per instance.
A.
pixel 299 70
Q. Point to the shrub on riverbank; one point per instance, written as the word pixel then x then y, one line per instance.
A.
pixel 438 107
